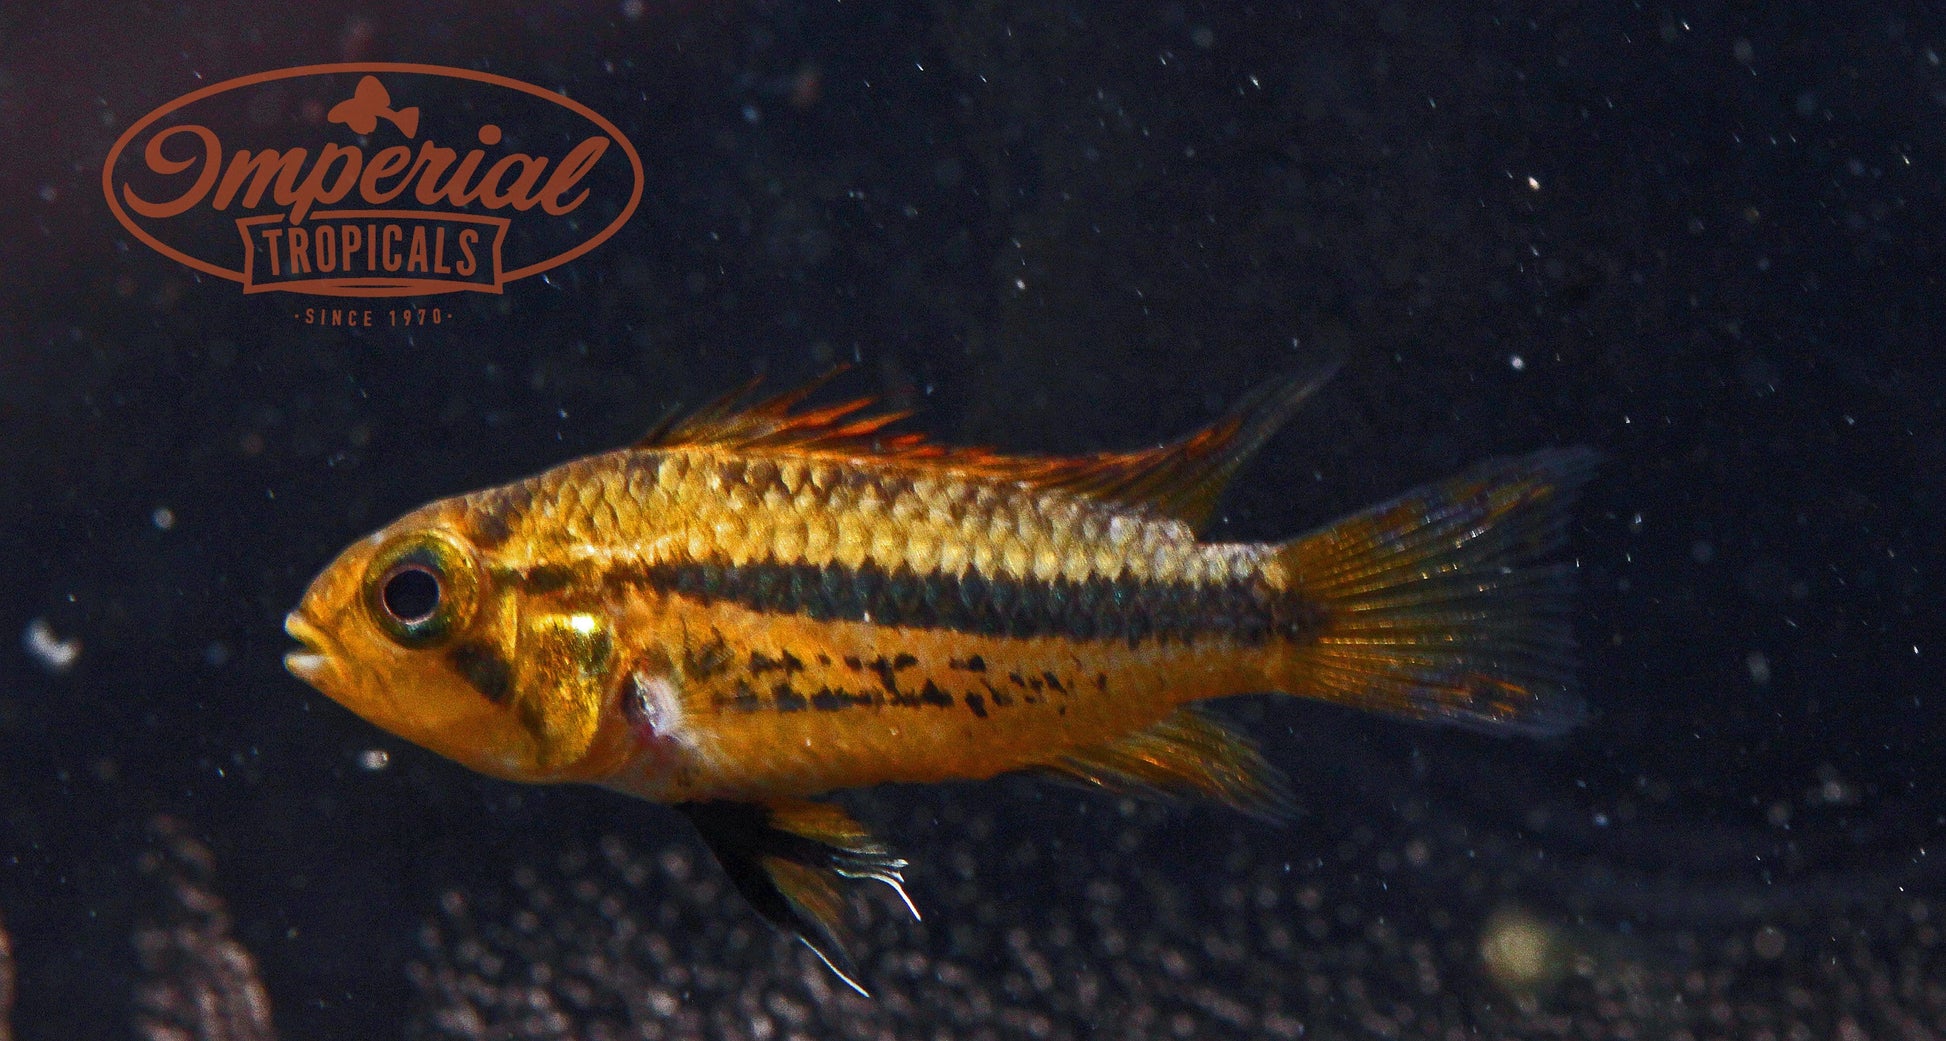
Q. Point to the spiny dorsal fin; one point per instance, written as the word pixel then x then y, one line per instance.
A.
pixel 1188 753
pixel 734 420
pixel 1185 478
pixel 1182 479
pixel 787 857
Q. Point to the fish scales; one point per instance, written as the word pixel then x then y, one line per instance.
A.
pixel 1006 572
pixel 644 509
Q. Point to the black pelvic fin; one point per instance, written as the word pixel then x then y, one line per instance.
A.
pixel 787 858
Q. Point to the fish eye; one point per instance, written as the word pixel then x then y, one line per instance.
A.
pixel 420 589
pixel 410 593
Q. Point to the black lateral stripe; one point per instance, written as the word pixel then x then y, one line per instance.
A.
pixel 1094 609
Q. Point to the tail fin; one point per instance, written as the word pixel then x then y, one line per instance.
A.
pixel 1440 604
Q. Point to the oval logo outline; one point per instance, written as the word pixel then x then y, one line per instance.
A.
pixel 601 122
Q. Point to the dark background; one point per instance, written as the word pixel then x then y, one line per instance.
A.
pixel 1700 237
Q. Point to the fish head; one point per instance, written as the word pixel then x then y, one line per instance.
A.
pixel 415 629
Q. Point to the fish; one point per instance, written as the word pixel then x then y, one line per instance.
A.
pixel 764 602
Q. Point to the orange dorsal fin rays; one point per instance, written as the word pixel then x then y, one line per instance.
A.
pixel 788 858
pixel 735 421
pixel 1182 479
pixel 1191 754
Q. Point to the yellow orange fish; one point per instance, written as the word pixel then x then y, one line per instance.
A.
pixel 759 603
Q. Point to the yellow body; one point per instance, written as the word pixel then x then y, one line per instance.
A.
pixel 590 530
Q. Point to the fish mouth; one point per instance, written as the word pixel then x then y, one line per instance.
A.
pixel 313 662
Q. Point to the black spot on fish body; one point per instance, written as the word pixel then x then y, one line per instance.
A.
pixel 791 663
pixel 824 659
pixel 977 704
pixel 707 659
pixel 1101 681
pixel 1001 699
pixel 787 699
pixel 1054 682
pixel 1033 683
pixel 828 700
pixel 853 663
pixel 889 681
pixel 548 578
pixel 761 663
pixel 484 669
pixel 932 695
pixel 744 697
pixel 1016 679
pixel 972 664
pixel 903 661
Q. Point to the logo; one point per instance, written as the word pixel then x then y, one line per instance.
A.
pixel 373 180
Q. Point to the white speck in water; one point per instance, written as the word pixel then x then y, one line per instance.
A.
pixel 1533 184
pixel 54 654
pixel 1759 666
pixel 164 518
pixel 374 759
pixel 1519 363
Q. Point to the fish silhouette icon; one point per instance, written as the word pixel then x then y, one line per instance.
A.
pixel 370 103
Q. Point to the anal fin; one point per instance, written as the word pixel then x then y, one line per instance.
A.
pixel 1188 753
pixel 787 858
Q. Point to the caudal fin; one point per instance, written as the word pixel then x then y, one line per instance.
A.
pixel 1443 603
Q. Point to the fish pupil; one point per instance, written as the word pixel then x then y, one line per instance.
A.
pixel 411 594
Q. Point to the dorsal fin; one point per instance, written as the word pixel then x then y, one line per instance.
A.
pixel 735 421
pixel 1185 478
pixel 1181 479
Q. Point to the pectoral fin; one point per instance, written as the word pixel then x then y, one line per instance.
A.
pixel 1188 753
pixel 787 858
